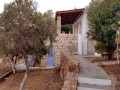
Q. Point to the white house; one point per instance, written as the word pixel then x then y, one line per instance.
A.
pixel 78 19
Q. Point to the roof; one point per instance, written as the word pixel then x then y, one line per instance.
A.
pixel 69 16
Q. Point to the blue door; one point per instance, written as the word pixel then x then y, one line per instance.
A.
pixel 50 56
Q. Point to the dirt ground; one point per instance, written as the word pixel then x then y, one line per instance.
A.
pixel 44 80
pixel 4 67
pixel 37 80
pixel 95 59
pixel 112 70
pixel 109 69
pixel 12 82
pixel 99 59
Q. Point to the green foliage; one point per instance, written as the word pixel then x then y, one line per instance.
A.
pixel 118 32
pixel 99 47
pixel 103 18
pixel 24 30
pixel 66 28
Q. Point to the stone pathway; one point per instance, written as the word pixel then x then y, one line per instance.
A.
pixel 92 77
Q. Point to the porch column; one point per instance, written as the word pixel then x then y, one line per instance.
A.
pixel 84 35
pixel 80 50
pixel 59 24
pixel 73 29
pixel 79 28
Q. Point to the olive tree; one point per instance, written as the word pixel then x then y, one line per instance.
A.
pixel 103 18
pixel 24 30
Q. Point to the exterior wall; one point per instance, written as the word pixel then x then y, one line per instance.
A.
pixel 58 24
pixel 85 46
pixel 84 35
pixel 80 44
pixel 91 47
pixel 82 28
pixel 78 39
pixel 62 42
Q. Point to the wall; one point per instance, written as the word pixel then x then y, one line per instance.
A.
pixel 69 69
pixel 91 47
pixel 62 42
pixel 82 25
pixel 85 46
pixel 115 83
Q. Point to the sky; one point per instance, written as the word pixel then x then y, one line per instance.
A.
pixel 55 5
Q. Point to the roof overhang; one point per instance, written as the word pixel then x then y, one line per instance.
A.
pixel 69 16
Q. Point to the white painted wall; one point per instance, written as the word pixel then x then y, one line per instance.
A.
pixel 82 39
pixel 80 50
pixel 84 35
pixel 79 44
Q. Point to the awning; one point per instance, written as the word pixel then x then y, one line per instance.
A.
pixel 69 16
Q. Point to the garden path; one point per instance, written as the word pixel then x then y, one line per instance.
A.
pixel 92 77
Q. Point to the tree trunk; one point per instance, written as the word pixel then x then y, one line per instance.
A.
pixel 23 82
pixel 26 74
pixel 14 63
pixel 118 61
pixel 110 55
pixel 39 63
pixel 27 69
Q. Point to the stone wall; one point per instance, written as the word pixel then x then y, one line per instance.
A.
pixel 115 83
pixel 62 42
pixel 69 69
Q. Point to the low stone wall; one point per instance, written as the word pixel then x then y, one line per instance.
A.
pixel 115 83
pixel 69 69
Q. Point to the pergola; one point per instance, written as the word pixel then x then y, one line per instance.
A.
pixel 69 16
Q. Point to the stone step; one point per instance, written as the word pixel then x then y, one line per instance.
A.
pixel 94 81
pixel 85 86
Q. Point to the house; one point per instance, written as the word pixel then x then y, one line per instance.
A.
pixel 78 19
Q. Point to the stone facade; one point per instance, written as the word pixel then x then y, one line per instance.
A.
pixel 69 69
pixel 62 43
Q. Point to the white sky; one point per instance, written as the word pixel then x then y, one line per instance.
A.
pixel 55 5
